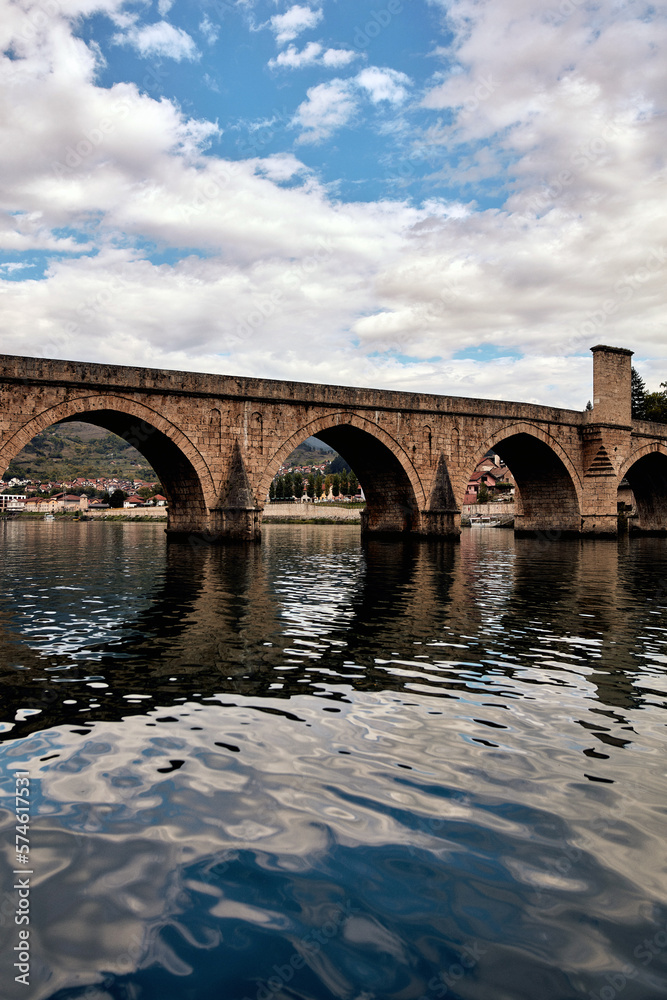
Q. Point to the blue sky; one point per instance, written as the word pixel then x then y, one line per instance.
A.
pixel 229 72
pixel 456 196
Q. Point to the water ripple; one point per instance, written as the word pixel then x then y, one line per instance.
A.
pixel 318 769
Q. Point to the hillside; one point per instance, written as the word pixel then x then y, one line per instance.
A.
pixel 66 451
pixel 311 452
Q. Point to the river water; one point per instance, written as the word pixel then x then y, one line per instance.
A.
pixel 319 768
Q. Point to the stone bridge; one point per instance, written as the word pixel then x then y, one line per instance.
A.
pixel 217 441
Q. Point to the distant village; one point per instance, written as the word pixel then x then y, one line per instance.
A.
pixel 491 481
pixel 80 494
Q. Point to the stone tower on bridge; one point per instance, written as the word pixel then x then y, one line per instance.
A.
pixel 217 441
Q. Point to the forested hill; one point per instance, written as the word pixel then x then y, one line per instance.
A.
pixel 311 452
pixel 66 451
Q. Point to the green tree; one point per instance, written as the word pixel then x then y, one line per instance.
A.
pixel 117 498
pixel 656 405
pixel 344 483
pixel 482 493
pixel 335 484
pixel 298 485
pixel 272 490
pixel 288 479
pixel 353 484
pixel 319 486
pixel 310 486
pixel 280 488
pixel 338 464
pixel 638 396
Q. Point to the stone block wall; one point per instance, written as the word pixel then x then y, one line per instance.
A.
pixel 612 385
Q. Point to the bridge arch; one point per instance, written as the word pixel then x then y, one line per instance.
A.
pixel 646 471
pixel 393 490
pixel 549 486
pixel 182 471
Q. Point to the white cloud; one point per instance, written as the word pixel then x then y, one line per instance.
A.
pixel 310 55
pixel 384 84
pixel 293 59
pixel 164 6
pixel 280 167
pixel 211 83
pixel 298 18
pixel 338 57
pixel 328 107
pixel 547 88
pixel 160 39
pixel 209 30
pixel 13 265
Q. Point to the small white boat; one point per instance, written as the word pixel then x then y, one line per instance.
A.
pixel 49 517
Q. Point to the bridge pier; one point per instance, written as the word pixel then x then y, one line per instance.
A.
pixel 406 521
pixel 440 523
pixel 606 439
pixel 600 525
pixel 387 520
pixel 528 526
pixel 244 524
pixel 229 524
pixel 599 516
pixel 237 524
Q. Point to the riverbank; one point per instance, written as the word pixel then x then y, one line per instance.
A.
pixel 312 513
pixel 275 513
pixel 99 515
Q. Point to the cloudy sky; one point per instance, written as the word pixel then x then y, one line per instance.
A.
pixel 456 196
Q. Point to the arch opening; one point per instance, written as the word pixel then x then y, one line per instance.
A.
pixel 314 472
pixel 187 510
pixel 647 479
pixel 391 503
pixel 546 498
pixel 390 500
pixel 186 505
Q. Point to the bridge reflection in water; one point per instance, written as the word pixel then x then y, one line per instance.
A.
pixel 436 750
pixel 309 608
